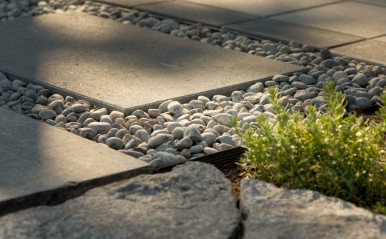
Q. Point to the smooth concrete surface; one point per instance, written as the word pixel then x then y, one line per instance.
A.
pixel 375 2
pixel 284 31
pixel 353 18
pixel 196 13
pixel 37 160
pixel 369 50
pixel 131 3
pixel 263 7
pixel 382 38
pixel 123 65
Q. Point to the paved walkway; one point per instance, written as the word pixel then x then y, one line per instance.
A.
pixel 354 28
pixel 194 200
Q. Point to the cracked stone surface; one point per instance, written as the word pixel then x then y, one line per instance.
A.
pixel 194 200
pixel 271 212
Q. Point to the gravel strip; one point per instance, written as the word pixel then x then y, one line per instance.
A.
pixel 176 132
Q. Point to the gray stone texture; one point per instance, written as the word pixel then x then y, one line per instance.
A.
pixel 263 7
pixel 284 31
pixel 124 65
pixel 40 159
pixel 344 17
pixel 196 13
pixel 192 201
pixel 369 50
pixel 271 212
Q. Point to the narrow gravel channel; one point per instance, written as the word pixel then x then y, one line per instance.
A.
pixel 176 132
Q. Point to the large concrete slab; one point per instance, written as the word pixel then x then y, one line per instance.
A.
pixel 40 163
pixel 369 50
pixel 196 13
pixel 284 31
pixel 126 66
pixel 375 2
pixel 193 201
pixel 353 18
pixel 263 7
pixel 131 3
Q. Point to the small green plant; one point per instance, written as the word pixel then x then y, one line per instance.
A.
pixel 333 153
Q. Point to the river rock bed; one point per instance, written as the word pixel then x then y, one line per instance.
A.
pixel 176 132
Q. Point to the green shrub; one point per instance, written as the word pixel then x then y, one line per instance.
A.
pixel 333 153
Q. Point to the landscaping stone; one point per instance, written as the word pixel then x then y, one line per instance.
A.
pixel 271 212
pixel 40 161
pixel 194 200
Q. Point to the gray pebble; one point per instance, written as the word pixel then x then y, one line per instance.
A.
pixel 47 114
pixel 100 127
pixel 193 133
pixel 159 139
pixel 184 143
pixel 96 115
pixel 87 132
pixel 115 143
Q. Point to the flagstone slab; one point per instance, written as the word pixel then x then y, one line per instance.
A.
pixel 124 65
pixel 40 163
pixel 284 31
pixel 196 13
pixel 263 7
pixel 192 201
pixel 359 19
pixel 369 50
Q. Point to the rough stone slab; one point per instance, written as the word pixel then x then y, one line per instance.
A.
pixel 347 17
pixel 192 201
pixel 196 13
pixel 284 31
pixel 39 161
pixel 369 50
pixel 263 7
pixel 271 212
pixel 126 66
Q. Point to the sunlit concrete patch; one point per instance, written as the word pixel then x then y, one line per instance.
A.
pixel 284 31
pixel 263 7
pixel 38 159
pixel 197 13
pixel 123 65
pixel 359 19
pixel 369 50
pixel 132 3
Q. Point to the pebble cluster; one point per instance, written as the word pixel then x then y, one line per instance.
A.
pixel 176 132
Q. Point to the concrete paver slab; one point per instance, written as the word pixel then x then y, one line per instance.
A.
pixel 382 39
pixel 123 65
pixel 263 7
pixel 375 2
pixel 284 31
pixel 192 201
pixel 353 18
pixel 196 13
pixel 131 3
pixel 369 50
pixel 38 161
